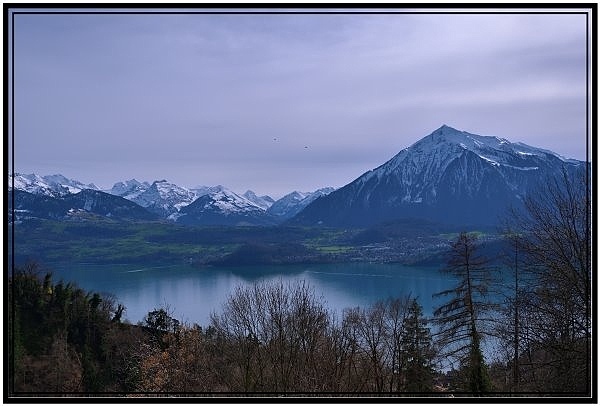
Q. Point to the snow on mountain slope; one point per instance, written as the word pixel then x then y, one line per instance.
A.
pixel 292 203
pixel 230 202
pixel 33 183
pixel 87 204
pixel 73 186
pixel 167 199
pixel 130 189
pixel 164 198
pixel 264 202
pixel 420 168
pixel 286 204
pixel 49 185
pixel 221 206
pixel 449 175
pixel 204 190
pixel 434 152
pixel 105 204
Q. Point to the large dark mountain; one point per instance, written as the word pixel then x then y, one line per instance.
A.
pixel 449 176
pixel 86 204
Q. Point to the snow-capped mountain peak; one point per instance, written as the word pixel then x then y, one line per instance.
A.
pixel 228 201
pixel 49 185
pixel 491 147
pixel 263 202
pixel 164 198
pixel 204 190
pixel 129 189
pixel 292 203
pixel 72 185
pixel 219 205
pixel 429 157
pixel 449 175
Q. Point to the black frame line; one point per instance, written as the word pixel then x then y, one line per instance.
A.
pixel 13 9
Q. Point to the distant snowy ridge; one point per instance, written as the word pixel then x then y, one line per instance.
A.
pixel 264 202
pixel 164 198
pixel 291 204
pixel 168 199
pixel 221 206
pixel 228 202
pixel 86 205
pixel 49 185
pixel 130 189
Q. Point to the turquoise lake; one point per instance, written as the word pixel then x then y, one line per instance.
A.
pixel 192 294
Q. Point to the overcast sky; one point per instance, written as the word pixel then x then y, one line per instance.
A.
pixel 282 102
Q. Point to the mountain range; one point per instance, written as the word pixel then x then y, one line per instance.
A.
pixel 57 197
pixel 449 176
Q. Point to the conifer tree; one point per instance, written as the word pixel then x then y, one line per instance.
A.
pixel 461 320
pixel 418 351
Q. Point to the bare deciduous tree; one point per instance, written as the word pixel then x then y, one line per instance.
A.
pixel 276 333
pixel 554 237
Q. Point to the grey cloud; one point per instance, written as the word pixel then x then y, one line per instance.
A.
pixel 203 97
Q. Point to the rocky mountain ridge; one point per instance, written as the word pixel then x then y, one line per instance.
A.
pixel 450 175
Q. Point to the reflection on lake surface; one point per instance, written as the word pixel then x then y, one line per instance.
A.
pixel 194 293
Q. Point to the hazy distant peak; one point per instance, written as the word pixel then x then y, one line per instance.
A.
pixel 264 202
pixel 292 203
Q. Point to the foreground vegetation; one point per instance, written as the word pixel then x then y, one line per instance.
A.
pixel 268 338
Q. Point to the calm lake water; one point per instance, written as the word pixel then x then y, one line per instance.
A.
pixel 194 293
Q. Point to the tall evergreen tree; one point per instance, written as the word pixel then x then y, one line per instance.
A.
pixel 461 320
pixel 418 351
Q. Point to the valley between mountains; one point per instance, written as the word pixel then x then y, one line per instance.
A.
pixel 406 210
